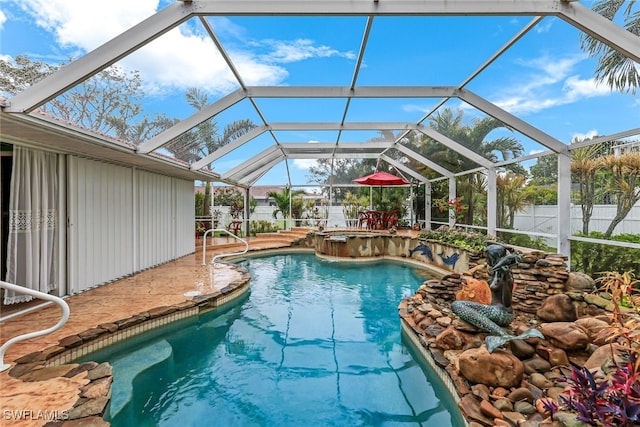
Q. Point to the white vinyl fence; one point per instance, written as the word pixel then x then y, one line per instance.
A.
pixel 542 219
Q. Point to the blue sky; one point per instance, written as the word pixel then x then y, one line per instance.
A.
pixel 545 79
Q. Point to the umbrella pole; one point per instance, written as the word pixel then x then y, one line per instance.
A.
pixel 370 198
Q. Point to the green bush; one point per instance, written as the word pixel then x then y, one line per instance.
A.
pixel 594 258
pixel 469 240
pixel 525 241
pixel 261 226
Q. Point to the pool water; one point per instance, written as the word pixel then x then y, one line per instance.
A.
pixel 315 343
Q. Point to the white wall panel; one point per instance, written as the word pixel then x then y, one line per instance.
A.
pixel 185 217
pixel 100 213
pixel 123 220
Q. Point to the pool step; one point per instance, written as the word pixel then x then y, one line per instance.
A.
pixel 128 367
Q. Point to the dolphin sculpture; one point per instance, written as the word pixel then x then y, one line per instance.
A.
pixel 422 249
pixel 451 259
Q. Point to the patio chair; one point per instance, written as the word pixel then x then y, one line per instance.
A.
pixel 363 219
pixel 235 227
pixel 390 219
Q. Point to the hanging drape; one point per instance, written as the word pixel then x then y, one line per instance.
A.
pixel 31 251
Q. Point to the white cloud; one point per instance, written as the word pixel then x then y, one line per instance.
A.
pixel 3 19
pixel 583 136
pixel 86 24
pixel 298 50
pixel 304 164
pixel 576 88
pixel 550 83
pixel 178 59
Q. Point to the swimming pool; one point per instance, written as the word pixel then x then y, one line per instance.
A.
pixel 314 343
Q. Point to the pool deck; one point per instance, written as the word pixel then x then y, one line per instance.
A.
pixel 160 286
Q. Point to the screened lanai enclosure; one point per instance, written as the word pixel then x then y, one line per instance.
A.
pixel 260 89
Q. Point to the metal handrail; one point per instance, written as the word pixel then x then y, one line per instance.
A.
pixel 65 316
pixel 204 245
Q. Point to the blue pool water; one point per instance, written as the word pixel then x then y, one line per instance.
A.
pixel 315 343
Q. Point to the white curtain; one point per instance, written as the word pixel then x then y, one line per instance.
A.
pixel 31 252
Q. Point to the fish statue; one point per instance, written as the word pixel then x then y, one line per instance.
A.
pixel 422 249
pixel 507 261
pixel 451 259
pixel 494 253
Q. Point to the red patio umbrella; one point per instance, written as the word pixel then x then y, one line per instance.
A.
pixel 381 179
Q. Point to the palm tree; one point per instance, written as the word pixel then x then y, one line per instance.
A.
pixel 513 197
pixel 617 70
pixel 283 200
pixel 204 139
pixel 473 137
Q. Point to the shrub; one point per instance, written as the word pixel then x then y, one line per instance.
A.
pixel 469 240
pixel 593 258
pixel 261 226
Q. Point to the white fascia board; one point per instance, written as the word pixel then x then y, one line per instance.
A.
pixel 600 28
pixel 512 121
pixel 190 122
pixel 420 158
pixel 101 57
pixel 403 168
pixel 226 149
pixel 461 149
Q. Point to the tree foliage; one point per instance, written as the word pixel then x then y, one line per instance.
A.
pixel 284 202
pixel 108 102
pixel 475 137
pixel 545 171
pixel 614 68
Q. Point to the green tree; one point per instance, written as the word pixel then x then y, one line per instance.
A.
pixel 585 164
pixel 545 171
pixel 624 184
pixel 108 102
pixel 352 204
pixel 205 138
pixel 283 201
pixel 474 137
pixel 511 198
pixel 614 68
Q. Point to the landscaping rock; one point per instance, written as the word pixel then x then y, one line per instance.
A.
pixel 497 369
pixel 557 308
pixel 565 335
pixel 580 281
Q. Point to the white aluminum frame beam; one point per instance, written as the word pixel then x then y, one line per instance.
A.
pixel 512 121
pixel 420 158
pixel 226 149
pixel 396 164
pixel 256 161
pixel 450 143
pixel 190 122
pixel 176 13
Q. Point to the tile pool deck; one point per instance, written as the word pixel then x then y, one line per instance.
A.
pixel 160 286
